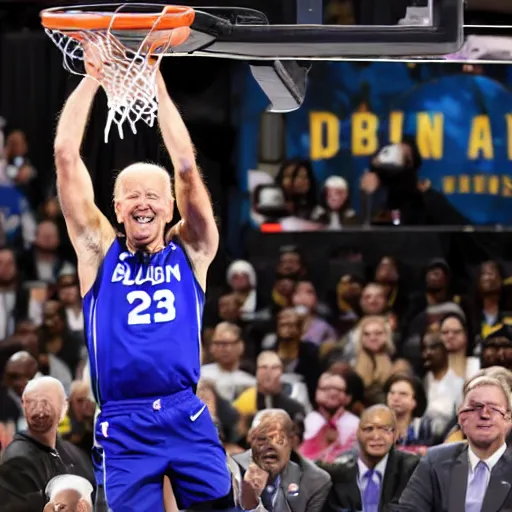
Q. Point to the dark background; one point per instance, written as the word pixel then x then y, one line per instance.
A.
pixel 34 87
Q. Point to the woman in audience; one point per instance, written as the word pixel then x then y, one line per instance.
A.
pixel 297 179
pixel 406 397
pixel 314 328
pixel 454 334
pixel 68 293
pixel 284 179
pixel 374 357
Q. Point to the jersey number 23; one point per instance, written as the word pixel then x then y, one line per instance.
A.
pixel 162 299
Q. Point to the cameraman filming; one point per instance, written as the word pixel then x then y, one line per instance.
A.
pixel 394 194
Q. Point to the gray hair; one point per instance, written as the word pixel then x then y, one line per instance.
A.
pixel 486 380
pixel 48 383
pixel 276 413
pixel 70 483
pixel 140 167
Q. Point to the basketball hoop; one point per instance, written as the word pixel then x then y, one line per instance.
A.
pixel 129 46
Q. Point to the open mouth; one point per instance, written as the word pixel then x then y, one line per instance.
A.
pixel 270 458
pixel 39 419
pixel 376 446
pixel 143 219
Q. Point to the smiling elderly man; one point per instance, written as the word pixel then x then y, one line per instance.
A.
pixel 274 477
pixel 473 476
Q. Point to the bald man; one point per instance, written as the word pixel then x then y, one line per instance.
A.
pixel 21 367
pixel 31 460
pixel 274 478
pixel 143 297
pixel 371 479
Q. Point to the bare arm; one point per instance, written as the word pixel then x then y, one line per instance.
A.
pixel 89 230
pixel 198 229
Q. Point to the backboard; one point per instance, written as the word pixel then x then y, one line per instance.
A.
pixel 329 29
pixel 316 29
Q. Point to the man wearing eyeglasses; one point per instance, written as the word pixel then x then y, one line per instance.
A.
pixel 370 479
pixel 475 476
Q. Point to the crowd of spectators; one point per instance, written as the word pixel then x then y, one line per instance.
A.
pixel 332 371
pixel 391 192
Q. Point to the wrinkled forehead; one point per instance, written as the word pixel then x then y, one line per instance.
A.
pixel 490 394
pixel 270 427
pixel 47 393
pixel 67 496
pixel 144 181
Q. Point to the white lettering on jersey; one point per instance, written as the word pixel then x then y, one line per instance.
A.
pixel 151 274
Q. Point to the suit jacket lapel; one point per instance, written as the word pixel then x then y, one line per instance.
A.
pixel 243 459
pixel 499 484
pixel 291 492
pixel 353 476
pixel 388 480
pixel 458 481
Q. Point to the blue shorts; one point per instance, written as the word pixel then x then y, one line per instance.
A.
pixel 143 440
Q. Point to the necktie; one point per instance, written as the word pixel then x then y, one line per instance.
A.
pixel 371 493
pixel 267 496
pixel 476 488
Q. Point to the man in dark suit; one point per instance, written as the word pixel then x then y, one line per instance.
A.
pixel 468 477
pixel 273 477
pixel 371 479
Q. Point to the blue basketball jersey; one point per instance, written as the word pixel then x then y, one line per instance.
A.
pixel 143 324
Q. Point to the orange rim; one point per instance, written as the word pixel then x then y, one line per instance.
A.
pixel 172 16
pixel 177 37
pixel 174 37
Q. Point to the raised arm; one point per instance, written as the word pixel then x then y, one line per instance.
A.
pixel 197 229
pixel 89 230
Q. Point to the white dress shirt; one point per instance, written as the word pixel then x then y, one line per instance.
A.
pixel 490 462
pixel 362 468
pixel 229 385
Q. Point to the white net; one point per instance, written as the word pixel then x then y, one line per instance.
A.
pixel 128 77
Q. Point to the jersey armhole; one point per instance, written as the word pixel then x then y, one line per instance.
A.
pixel 175 240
